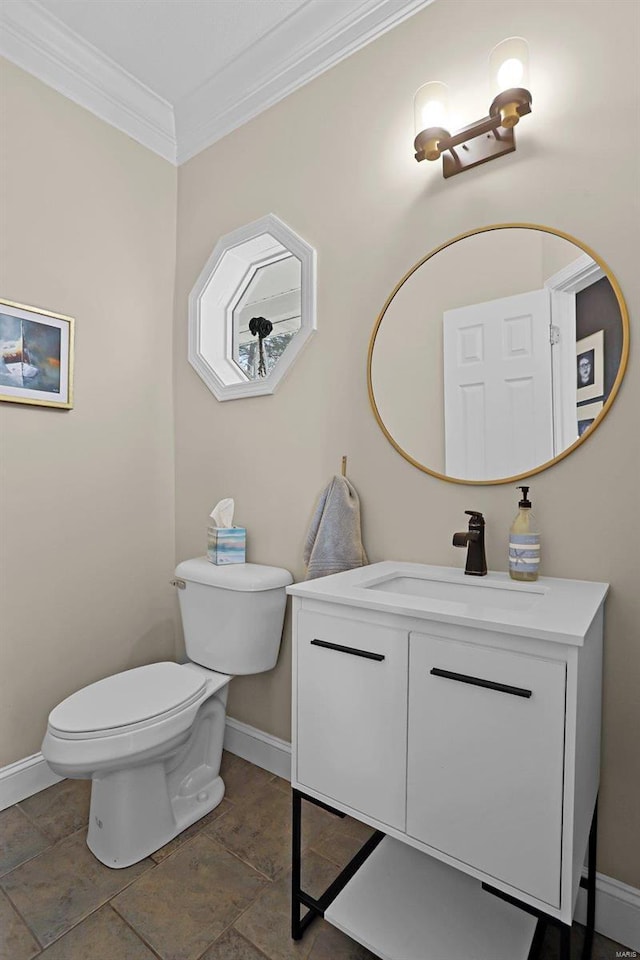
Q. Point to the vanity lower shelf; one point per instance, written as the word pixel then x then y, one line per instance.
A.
pixel 404 905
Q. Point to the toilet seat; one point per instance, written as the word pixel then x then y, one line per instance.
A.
pixel 77 752
pixel 128 701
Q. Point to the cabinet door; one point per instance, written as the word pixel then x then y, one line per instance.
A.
pixel 352 713
pixel 485 760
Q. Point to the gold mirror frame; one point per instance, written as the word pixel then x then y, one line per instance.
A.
pixel 624 316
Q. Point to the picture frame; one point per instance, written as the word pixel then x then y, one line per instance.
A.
pixel 586 414
pixel 36 356
pixel 590 367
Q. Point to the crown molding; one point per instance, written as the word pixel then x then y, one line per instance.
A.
pixel 277 65
pixel 267 71
pixel 36 41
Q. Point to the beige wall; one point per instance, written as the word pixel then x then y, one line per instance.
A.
pixel 334 160
pixel 87 500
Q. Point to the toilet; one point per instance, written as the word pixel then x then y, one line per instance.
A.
pixel 151 738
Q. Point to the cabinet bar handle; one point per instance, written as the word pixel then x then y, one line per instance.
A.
pixel 477 682
pixel 357 653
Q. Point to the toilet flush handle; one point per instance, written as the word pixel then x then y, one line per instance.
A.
pixel 180 584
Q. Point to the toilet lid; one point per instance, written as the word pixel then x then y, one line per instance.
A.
pixel 128 698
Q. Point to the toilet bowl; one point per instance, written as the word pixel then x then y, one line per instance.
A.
pixel 150 739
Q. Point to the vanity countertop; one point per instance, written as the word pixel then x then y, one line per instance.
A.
pixel 548 609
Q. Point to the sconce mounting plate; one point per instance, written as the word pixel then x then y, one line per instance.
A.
pixel 471 153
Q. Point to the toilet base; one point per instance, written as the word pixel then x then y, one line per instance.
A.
pixel 136 810
pixel 119 838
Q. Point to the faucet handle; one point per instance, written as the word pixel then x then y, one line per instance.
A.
pixel 475 515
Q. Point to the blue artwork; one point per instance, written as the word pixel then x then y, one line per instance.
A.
pixel 30 354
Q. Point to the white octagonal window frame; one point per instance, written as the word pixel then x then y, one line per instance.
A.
pixel 233 262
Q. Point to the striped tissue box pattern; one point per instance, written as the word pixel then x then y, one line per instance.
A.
pixel 524 552
pixel 226 544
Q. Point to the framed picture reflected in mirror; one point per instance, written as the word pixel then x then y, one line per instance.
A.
pixel 590 367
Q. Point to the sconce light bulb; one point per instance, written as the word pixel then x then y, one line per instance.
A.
pixel 510 74
pixel 434 114
pixel 431 106
pixel 509 65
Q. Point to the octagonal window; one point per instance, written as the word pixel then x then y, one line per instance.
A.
pixel 252 309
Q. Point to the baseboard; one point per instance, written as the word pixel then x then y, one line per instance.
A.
pixel 617 904
pixel 258 747
pixel 617 911
pixel 24 778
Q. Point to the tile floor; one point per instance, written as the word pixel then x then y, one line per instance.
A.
pixel 219 891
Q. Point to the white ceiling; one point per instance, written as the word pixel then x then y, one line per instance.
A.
pixel 172 46
pixel 176 75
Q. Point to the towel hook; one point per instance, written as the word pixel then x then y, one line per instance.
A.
pixel 344 466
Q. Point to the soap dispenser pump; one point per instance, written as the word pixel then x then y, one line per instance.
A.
pixel 524 542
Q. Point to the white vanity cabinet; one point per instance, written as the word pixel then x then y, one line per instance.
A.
pixel 485 760
pixel 462 719
pixel 352 713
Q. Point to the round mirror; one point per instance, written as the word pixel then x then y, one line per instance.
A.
pixel 498 353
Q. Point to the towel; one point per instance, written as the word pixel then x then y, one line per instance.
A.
pixel 334 540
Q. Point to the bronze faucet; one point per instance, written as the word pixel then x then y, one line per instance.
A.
pixel 474 540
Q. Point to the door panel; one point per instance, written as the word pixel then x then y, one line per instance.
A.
pixel 352 713
pixel 497 384
pixel 485 760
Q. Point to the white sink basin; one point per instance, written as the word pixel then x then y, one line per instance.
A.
pixel 548 608
pixel 472 591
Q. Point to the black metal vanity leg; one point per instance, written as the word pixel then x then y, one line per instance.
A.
pixel 296 841
pixel 591 887
pixel 299 898
pixel 565 941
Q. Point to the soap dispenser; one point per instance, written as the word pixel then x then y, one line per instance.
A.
pixel 524 542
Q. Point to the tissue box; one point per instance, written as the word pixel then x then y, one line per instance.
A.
pixel 226 544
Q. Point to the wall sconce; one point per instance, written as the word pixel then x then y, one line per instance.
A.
pixel 490 137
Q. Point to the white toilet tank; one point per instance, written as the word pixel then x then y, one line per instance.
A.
pixel 232 614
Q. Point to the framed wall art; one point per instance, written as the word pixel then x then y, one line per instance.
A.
pixel 590 367
pixel 587 414
pixel 36 356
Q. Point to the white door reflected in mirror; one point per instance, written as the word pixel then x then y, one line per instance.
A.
pixel 475 361
pixel 498 393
